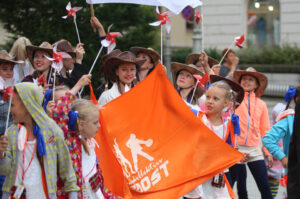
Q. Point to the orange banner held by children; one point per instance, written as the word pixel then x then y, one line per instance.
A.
pixel 153 146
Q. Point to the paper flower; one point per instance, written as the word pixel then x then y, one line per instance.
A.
pixel 110 40
pixel 40 81
pixel 6 87
pixel 71 11
pixel 239 41
pixel 198 17
pixel 202 80
pixel 163 19
pixel 57 59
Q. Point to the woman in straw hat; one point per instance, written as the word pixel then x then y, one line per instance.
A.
pixel 152 59
pixel 18 52
pixel 42 66
pixel 121 70
pixel 254 123
pixel 185 83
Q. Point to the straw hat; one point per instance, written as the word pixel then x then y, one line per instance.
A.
pixel 45 46
pixel 234 86
pixel 65 46
pixel 261 78
pixel 112 63
pixel 149 51
pixel 177 67
pixel 192 58
pixel 7 58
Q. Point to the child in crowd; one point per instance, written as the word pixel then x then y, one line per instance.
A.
pixel 283 129
pixel 221 95
pixel 33 153
pixel 18 52
pixel 121 70
pixel 254 123
pixel 185 83
pixel 79 120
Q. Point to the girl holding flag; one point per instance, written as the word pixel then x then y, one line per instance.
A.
pixel 222 95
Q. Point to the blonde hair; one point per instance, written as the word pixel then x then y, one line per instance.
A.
pixel 230 94
pixel 84 108
pixel 18 50
pixel 62 88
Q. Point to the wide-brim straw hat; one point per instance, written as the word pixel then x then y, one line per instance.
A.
pixel 65 46
pixel 45 46
pixel 148 51
pixel 112 63
pixel 5 57
pixel 236 87
pixel 177 67
pixel 261 78
pixel 192 58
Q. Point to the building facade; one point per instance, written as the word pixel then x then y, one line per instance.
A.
pixel 265 23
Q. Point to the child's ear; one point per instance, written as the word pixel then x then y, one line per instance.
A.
pixel 226 103
pixel 80 124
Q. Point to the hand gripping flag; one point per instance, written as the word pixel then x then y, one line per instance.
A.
pixel 153 146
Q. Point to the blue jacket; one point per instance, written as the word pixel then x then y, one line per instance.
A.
pixel 282 129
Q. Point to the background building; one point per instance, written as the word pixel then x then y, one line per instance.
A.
pixel 264 22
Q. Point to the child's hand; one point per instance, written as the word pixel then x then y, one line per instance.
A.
pixel 216 68
pixel 245 158
pixel 84 80
pixel 46 87
pixel 95 23
pixel 270 161
pixel 79 53
pixel 3 144
pixel 284 162
pixel 49 108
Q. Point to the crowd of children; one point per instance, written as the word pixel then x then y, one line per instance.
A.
pixel 48 151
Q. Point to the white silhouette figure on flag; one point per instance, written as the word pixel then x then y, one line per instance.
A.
pixel 134 145
pixel 123 161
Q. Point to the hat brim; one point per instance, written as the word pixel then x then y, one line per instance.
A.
pixel 154 55
pixel 10 61
pixel 112 63
pixel 31 49
pixel 262 80
pixel 234 86
pixel 192 58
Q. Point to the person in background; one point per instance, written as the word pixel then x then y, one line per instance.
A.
pixel 230 64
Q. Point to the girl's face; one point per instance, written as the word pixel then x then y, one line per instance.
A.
pixel 69 63
pixel 185 79
pixel 18 110
pixel 215 100
pixel 126 73
pixel 40 62
pixel 6 71
pixel 147 65
pixel 90 126
pixel 249 83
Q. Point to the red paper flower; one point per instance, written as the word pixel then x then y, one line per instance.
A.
pixel 71 11
pixel 198 17
pixel 239 41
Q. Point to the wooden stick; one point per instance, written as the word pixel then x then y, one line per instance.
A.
pixel 92 14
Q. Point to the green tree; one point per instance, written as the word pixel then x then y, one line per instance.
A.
pixel 42 21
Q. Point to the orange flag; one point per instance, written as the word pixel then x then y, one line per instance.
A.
pixel 153 146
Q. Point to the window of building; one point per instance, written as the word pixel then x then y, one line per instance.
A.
pixel 263 23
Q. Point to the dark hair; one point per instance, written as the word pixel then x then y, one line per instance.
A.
pixel 229 51
pixel 294 98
